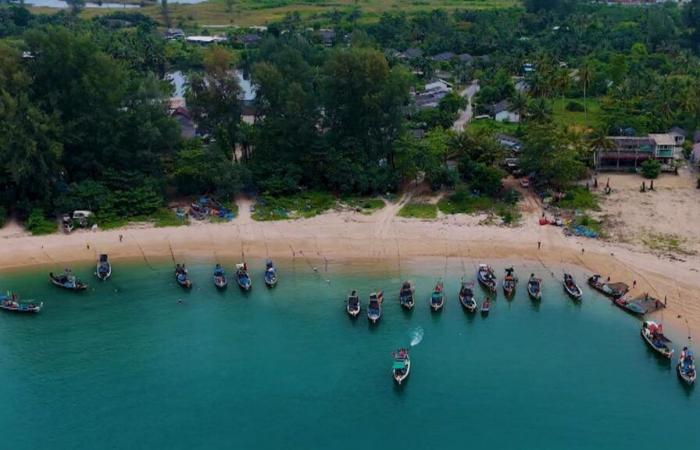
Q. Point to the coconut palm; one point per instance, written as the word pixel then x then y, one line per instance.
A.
pixel 585 75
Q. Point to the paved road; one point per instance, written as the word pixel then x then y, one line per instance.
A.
pixel 465 115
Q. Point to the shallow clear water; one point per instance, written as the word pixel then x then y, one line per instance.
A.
pixel 126 366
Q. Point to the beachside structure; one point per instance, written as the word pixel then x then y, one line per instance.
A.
pixel 629 152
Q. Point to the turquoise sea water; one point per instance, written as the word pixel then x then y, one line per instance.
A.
pixel 286 368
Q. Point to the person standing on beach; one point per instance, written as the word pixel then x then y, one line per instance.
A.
pixel 539 245
pixel 121 237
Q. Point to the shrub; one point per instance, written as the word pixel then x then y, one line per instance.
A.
pixel 419 210
pixel 579 198
pixel 651 168
pixel 38 224
pixel 574 107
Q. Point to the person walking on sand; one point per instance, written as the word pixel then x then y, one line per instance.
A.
pixel 634 283
pixel 539 245
pixel 121 237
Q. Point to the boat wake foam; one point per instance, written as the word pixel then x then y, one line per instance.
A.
pixel 416 336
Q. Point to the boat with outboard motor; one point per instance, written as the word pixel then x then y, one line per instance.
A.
pixel 402 365
pixel 182 276
pixel 486 307
pixel 374 308
pixel 534 287
pixel 242 277
pixel 406 295
pixel 270 274
pixel 509 282
pixel 104 268
pixel 67 281
pixel 571 288
pixel 486 277
pixel 653 334
pixel 437 298
pixel 352 304
pixel 466 296
pixel 686 367
pixel 220 278
pixel 10 303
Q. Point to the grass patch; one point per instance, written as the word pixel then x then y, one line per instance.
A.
pixel 256 12
pixel 579 198
pixel 464 202
pixel 666 242
pixel 307 204
pixel 419 210
pixel 589 222
pixel 562 116
pixel 166 217
pixel 364 205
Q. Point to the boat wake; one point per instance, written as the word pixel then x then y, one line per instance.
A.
pixel 416 336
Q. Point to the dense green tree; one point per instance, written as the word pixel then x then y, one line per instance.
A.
pixel 550 156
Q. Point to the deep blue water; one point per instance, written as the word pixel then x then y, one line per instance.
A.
pixel 286 368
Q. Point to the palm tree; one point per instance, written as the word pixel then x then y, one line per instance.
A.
pixel 599 141
pixel 585 75
pixel 519 104
pixel 538 111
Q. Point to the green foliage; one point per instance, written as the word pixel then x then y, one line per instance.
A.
pixel 579 198
pixel 38 224
pixel 462 201
pixel 590 223
pixel 307 204
pixel 365 205
pixel 418 210
pixel 549 153
pixel 573 106
pixel 165 217
pixel 3 216
pixel 651 168
pixel 483 178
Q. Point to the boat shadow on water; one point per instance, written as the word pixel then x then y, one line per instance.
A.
pixel 661 361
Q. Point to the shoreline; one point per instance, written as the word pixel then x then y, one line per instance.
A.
pixel 349 238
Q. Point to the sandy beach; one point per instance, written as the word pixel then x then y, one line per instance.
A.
pixel 345 237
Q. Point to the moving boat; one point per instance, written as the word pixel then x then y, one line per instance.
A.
pixel 242 277
pixel 406 295
pixel 374 309
pixel 270 274
pixel 353 304
pixel 182 277
pixel 67 281
pixel 486 307
pixel 653 334
pixel 534 287
pixel 466 296
pixel 571 287
pixel 613 290
pixel 437 299
pixel 486 277
pixel 9 303
pixel 104 268
pixel 509 282
pixel 402 365
pixel 220 278
pixel 686 367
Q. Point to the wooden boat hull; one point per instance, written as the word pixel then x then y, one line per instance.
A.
pixel 664 352
pixel 629 308
pixel 508 291
pixel 352 312
pixel 78 287
pixel 244 283
pixel 103 276
pixel 534 294
pixel 271 282
pixel 487 284
pixel 186 284
pixel 374 317
pixel 23 308
pixel 469 305
pixel 575 293
pixel 221 283
pixel 400 378
pixel 688 380
pixel 435 307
